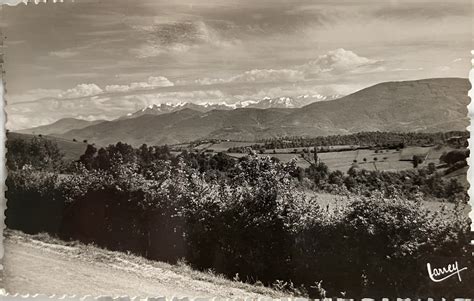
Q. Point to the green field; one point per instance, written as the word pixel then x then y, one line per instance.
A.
pixel 385 159
pixel 330 202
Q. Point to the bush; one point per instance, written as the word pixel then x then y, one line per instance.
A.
pixel 454 156
pixel 34 202
pixel 253 221
pixel 375 247
pixel 36 153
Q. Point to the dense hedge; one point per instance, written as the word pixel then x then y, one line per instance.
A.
pixel 253 223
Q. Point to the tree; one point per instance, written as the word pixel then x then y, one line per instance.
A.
pixel 87 159
pixel 431 168
pixel 454 156
pixel 36 152
pixel 417 159
pixel 318 172
pixel 315 154
pixel 336 177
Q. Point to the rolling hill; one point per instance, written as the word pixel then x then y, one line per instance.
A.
pixel 59 127
pixel 72 150
pixel 428 105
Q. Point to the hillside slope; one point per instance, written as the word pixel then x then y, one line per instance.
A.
pixel 72 150
pixel 42 266
pixel 181 126
pixel 428 105
pixel 61 126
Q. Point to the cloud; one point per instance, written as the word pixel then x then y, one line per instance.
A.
pixel 269 75
pixel 178 37
pixel 81 90
pixel 419 10
pixel 340 61
pixel 407 69
pixel 102 106
pixel 64 54
pixel 334 62
pixel 33 94
pixel 152 82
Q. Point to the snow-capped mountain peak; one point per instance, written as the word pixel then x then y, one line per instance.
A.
pixel 264 103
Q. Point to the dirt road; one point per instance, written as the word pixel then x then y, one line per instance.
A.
pixel 34 266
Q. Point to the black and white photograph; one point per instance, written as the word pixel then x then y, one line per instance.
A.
pixel 238 149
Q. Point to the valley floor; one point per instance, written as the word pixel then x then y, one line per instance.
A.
pixel 39 264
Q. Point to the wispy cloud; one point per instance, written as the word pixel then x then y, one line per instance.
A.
pixel 152 82
pixel 334 62
pixel 81 90
pixel 64 54
pixel 178 37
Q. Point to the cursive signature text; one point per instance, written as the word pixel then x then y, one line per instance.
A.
pixel 440 274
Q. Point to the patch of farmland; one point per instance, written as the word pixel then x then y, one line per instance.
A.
pixel 408 153
pixel 237 155
pixel 310 148
pixel 435 153
pixel 330 202
pixel 385 159
pixel 225 145
pixel 203 146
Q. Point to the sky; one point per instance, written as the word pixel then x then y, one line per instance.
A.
pixel 100 59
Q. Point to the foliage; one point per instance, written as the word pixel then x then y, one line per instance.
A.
pixel 372 139
pixel 454 156
pixel 411 184
pixel 37 152
pixel 253 219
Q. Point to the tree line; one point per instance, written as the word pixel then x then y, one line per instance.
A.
pixel 368 139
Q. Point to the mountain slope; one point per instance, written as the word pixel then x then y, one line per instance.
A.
pixel 181 126
pixel 61 126
pixel 148 129
pixel 428 105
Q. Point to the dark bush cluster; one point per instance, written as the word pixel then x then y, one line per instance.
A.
pixel 424 183
pixel 253 222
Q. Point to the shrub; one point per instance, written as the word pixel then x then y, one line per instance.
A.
pixel 454 156
pixel 253 221
pixel 34 202
pixel 35 153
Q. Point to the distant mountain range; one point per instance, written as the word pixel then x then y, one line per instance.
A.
pixel 265 103
pixel 428 105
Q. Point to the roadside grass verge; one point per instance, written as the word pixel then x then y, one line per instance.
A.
pixel 131 262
